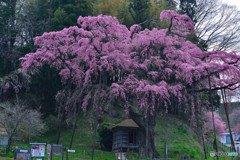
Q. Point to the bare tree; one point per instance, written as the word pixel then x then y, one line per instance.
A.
pixel 14 82
pixel 18 120
pixel 217 25
pixel 28 22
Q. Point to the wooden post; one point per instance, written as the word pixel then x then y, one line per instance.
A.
pixel 238 153
pixel 214 158
pixel 67 155
pixel 102 156
pixel 232 157
pixel 84 155
pixel 178 157
pixel 202 156
pixel 151 157
pixel 224 157
pixel 117 156
pixel 189 157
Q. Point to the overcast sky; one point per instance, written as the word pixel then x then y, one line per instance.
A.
pixel 236 3
pixel 233 2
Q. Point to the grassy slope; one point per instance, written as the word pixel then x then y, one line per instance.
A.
pixel 178 136
pixel 168 129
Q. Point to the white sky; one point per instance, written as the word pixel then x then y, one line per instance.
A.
pixel 233 2
pixel 236 3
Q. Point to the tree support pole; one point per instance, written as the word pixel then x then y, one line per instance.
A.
pixel 211 102
pixel 224 97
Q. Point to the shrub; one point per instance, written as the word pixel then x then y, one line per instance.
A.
pixel 106 135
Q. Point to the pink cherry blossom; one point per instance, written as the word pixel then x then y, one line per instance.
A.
pixel 147 68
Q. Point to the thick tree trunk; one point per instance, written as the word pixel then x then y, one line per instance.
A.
pixel 9 144
pixel 150 149
pixel 143 122
pixel 152 125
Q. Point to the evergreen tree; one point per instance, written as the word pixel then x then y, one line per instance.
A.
pixel 140 10
pixel 65 12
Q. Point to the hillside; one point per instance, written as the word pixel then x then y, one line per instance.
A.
pixel 181 140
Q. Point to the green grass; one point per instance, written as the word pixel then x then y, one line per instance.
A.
pixel 169 129
pixel 178 136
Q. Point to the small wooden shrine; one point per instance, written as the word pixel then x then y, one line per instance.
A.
pixel 127 135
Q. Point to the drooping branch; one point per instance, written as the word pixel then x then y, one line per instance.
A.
pixel 219 88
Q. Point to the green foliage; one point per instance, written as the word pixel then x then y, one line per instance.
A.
pixel 129 12
pixel 60 19
pixel 140 10
pixel 65 12
pixel 157 7
pixel 51 121
pixel 116 8
pixel 216 101
pixel 105 135
pixel 43 89
pixel 205 99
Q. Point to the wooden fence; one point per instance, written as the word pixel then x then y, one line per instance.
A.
pixel 132 157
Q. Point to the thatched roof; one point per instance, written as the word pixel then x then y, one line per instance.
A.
pixel 128 123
